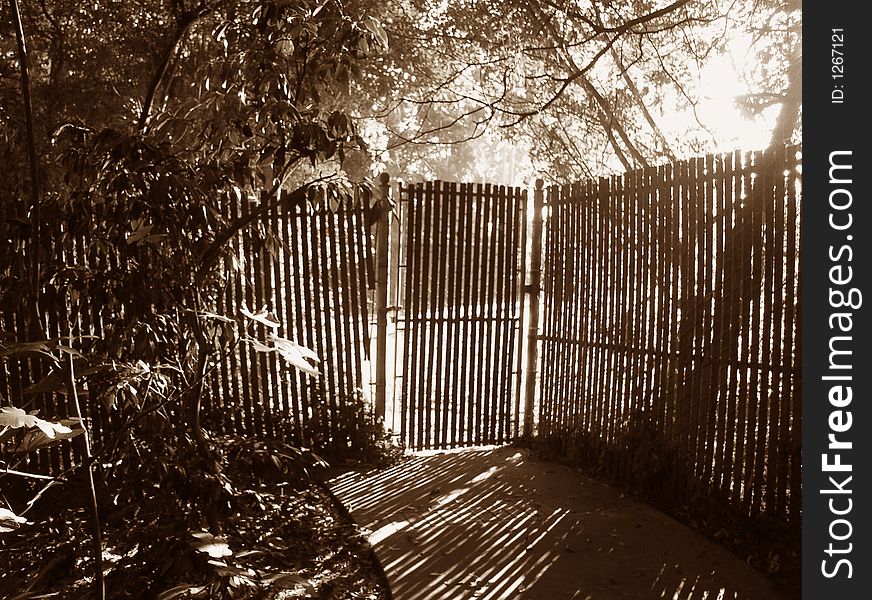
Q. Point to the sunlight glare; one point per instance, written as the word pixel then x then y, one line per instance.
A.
pixel 450 496
pixel 722 84
pixel 485 475
pixel 384 532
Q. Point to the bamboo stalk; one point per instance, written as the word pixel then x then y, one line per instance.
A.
pixel 511 311
pixel 441 392
pixel 310 422
pixel 278 303
pixel 521 274
pixel 428 301
pixel 772 333
pixel 533 291
pixel 97 534
pixel 466 360
pixel 488 326
pixel 413 277
pixel 381 295
pixel 793 341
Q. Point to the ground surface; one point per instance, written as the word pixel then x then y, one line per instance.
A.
pixel 497 524
pixel 286 539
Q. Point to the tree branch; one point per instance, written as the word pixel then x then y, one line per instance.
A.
pixel 631 85
pixel 28 475
pixel 32 154
pixel 182 28
pixel 612 122
pixel 213 251
pixel 99 582
pixel 788 117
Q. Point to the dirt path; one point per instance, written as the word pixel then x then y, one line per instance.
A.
pixel 496 524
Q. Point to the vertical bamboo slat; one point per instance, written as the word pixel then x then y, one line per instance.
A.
pixel 757 314
pixel 281 391
pixel 405 400
pixel 246 365
pixel 291 326
pixel 504 357
pixel 454 339
pixel 714 285
pixel 437 318
pixel 711 343
pixel 493 353
pixel 468 238
pixel 413 309
pixel 428 289
pixel 636 313
pixel 674 256
pixel 487 356
pixel 683 342
pixel 508 272
pixel 772 331
pixel 598 291
pixel 577 276
pixel 793 340
pixel 616 321
pixel 555 285
pixel 546 274
pixel 521 219
pixel 308 417
pixel 733 398
pixel 749 378
pixel 264 396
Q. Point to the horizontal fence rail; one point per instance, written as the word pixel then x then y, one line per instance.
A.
pixel 670 342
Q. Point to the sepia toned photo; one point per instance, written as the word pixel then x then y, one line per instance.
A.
pixel 414 300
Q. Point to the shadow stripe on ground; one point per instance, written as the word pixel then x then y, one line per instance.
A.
pixel 496 524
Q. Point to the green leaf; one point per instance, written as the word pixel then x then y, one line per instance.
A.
pixel 216 547
pixel 374 27
pixel 288 579
pixel 35 440
pixel 9 521
pixel 25 348
pixel 259 346
pixel 183 591
pixel 296 354
pixel 13 417
pixel 216 316
pixel 263 317
pixel 285 47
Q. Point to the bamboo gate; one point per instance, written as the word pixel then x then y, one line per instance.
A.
pixel 459 290
pixel 645 323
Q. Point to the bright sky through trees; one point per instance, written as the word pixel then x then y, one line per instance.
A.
pixel 578 89
pixel 717 119
pixel 720 84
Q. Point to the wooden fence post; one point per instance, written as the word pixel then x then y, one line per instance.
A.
pixel 533 291
pixel 382 242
